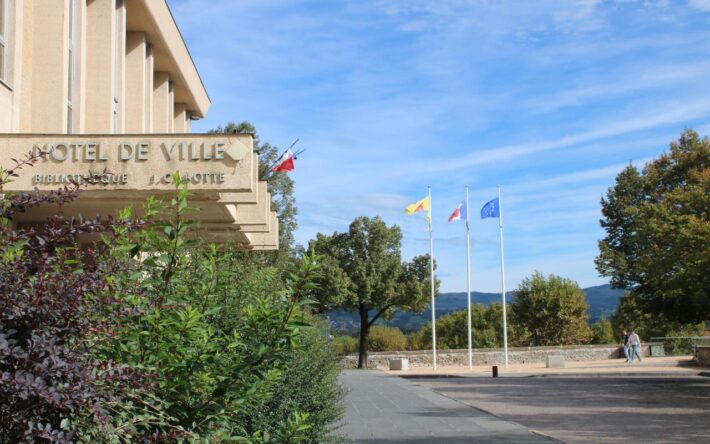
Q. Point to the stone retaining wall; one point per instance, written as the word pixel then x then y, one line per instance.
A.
pixel 516 355
pixel 702 355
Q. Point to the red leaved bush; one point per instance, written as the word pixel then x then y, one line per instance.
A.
pixel 54 295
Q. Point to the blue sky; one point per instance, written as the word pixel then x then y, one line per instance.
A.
pixel 549 99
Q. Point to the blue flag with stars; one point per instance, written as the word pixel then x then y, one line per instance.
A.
pixel 490 209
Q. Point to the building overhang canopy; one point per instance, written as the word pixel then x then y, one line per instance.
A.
pixel 221 171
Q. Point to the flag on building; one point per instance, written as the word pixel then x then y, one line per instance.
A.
pixel 491 209
pixel 459 213
pixel 419 206
pixel 285 162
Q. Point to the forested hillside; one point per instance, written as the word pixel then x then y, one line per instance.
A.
pixel 602 301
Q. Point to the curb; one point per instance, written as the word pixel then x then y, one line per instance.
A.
pixel 655 374
pixel 436 376
pixel 618 374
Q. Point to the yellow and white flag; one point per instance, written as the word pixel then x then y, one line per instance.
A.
pixel 419 206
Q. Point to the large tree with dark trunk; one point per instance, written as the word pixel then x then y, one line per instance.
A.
pixel 362 270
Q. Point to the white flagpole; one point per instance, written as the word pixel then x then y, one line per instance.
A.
pixel 502 277
pixel 468 285
pixel 431 269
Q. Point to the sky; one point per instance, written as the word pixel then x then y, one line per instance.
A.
pixel 548 99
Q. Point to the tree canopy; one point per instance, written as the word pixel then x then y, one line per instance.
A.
pixel 452 329
pixel 362 270
pixel 550 311
pixel 281 186
pixel 657 243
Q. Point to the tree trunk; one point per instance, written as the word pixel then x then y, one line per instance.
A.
pixel 364 337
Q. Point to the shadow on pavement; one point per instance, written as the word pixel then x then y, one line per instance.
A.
pixel 592 409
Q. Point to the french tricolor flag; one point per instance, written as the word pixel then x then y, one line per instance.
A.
pixel 285 162
pixel 459 213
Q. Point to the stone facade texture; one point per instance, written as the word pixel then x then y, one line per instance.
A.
pixel 702 355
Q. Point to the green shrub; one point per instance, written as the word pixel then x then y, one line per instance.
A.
pixel 676 347
pixel 344 345
pixel 309 384
pixel 631 315
pixel 384 338
pixel 549 310
pixel 452 330
pixel 148 336
pixel 603 333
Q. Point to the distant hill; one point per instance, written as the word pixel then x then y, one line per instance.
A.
pixel 602 301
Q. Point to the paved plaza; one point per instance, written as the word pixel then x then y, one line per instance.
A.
pixel 592 409
pixel 381 408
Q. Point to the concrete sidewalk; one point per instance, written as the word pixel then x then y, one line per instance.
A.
pixel 665 366
pixel 385 409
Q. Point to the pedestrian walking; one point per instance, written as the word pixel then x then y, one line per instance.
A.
pixel 625 339
pixel 635 344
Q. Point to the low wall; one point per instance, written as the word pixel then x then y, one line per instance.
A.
pixel 493 356
pixel 702 355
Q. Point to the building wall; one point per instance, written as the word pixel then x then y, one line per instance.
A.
pixel 115 85
pixel 110 83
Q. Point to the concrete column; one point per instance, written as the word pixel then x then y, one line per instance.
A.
pixel 25 59
pixel 80 66
pixel 121 70
pixel 100 48
pixel 136 86
pixel 49 66
pixel 171 110
pixel 148 116
pixel 16 25
pixel 162 106
pixel 180 125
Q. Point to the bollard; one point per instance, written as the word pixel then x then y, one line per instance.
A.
pixel 495 371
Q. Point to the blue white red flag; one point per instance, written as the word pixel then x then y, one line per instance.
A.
pixel 285 162
pixel 459 213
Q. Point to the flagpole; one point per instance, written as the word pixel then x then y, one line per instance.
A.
pixel 468 285
pixel 431 269
pixel 502 277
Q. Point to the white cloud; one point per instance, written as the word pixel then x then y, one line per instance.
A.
pixel 549 97
pixel 703 5
pixel 676 114
pixel 639 78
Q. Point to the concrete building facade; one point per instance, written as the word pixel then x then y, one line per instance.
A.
pixel 110 85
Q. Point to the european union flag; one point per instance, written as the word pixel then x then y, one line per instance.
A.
pixel 491 209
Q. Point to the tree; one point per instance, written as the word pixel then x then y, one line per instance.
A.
pixel 383 338
pixel 631 315
pixel 657 243
pixel 550 311
pixel 281 186
pixel 603 332
pixel 452 330
pixel 362 270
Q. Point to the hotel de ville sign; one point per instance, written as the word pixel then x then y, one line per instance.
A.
pixel 134 162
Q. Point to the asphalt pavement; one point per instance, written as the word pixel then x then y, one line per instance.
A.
pixel 591 409
pixel 386 409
